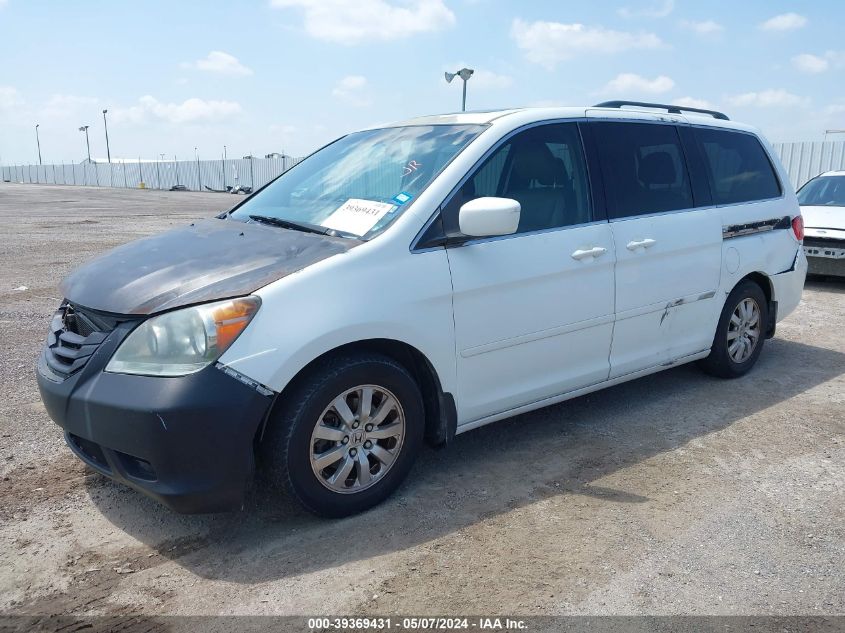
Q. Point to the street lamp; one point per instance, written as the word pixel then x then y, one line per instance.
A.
pixel 199 176
pixel 826 132
pixel 465 74
pixel 224 166
pixel 84 128
pixel 38 141
pixel 106 128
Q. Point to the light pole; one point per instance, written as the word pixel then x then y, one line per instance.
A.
pixel 38 141
pixel 199 177
pixel 224 166
pixel 84 128
pixel 465 74
pixel 106 128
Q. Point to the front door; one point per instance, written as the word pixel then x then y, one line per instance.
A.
pixel 534 310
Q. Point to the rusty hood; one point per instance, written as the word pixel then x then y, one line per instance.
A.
pixel 208 260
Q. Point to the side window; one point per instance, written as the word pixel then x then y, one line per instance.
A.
pixel 738 168
pixel 643 167
pixel 543 168
pixel 486 181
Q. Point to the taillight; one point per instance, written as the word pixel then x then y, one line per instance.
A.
pixel 798 227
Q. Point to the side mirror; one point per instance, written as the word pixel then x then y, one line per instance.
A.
pixel 489 217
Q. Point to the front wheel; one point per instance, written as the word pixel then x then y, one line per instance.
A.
pixel 346 436
pixel 740 333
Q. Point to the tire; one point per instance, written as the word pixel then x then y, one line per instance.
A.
pixel 308 430
pixel 725 359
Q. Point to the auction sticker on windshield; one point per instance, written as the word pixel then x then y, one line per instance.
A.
pixel 357 216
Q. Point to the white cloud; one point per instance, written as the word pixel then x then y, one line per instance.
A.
pixel 357 21
pixel 10 98
pixel 706 27
pixel 61 106
pixel 351 90
pixel 548 43
pixel 692 102
pixel 657 10
pixel 808 63
pixel 625 84
pixel 768 99
pixel 784 22
pixel 278 128
pixel 814 64
pixel 221 63
pixel 486 79
pixel 836 58
pixel 836 109
pixel 192 110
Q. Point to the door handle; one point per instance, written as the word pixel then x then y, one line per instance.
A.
pixel 596 251
pixel 646 243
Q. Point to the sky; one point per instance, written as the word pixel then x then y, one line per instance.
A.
pixel 290 75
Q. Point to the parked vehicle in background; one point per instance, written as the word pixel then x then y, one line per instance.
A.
pixel 415 281
pixel 822 201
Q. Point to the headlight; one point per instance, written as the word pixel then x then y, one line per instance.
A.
pixel 184 341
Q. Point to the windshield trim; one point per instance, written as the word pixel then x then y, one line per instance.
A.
pixel 370 235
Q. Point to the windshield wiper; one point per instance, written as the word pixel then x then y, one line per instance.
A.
pixel 302 226
pixel 289 224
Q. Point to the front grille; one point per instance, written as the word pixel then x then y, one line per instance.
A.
pixel 75 334
pixel 78 323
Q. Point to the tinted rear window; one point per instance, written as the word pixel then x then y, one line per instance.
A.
pixel 738 167
pixel 643 167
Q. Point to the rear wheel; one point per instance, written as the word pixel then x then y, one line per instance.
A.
pixel 740 333
pixel 347 436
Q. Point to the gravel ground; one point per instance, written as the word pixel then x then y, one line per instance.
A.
pixel 673 494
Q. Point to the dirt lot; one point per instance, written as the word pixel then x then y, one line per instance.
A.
pixel 674 494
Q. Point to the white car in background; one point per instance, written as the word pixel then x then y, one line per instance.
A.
pixel 822 203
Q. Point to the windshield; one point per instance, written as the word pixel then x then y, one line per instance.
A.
pixel 361 182
pixel 827 191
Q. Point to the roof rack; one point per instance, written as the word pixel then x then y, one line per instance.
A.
pixel 673 109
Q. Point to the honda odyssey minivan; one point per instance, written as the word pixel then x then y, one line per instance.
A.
pixel 410 282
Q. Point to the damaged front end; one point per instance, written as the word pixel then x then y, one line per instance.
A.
pixel 185 441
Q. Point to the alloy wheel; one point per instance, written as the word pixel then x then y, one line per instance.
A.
pixel 744 330
pixel 357 439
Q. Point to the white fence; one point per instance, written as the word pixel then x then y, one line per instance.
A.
pixel 193 174
pixel 803 161
pixel 807 160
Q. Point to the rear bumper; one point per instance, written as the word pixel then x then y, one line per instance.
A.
pixel 186 442
pixel 788 285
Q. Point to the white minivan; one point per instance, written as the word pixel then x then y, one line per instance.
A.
pixel 418 280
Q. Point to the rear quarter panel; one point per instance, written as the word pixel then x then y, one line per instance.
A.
pixel 776 254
